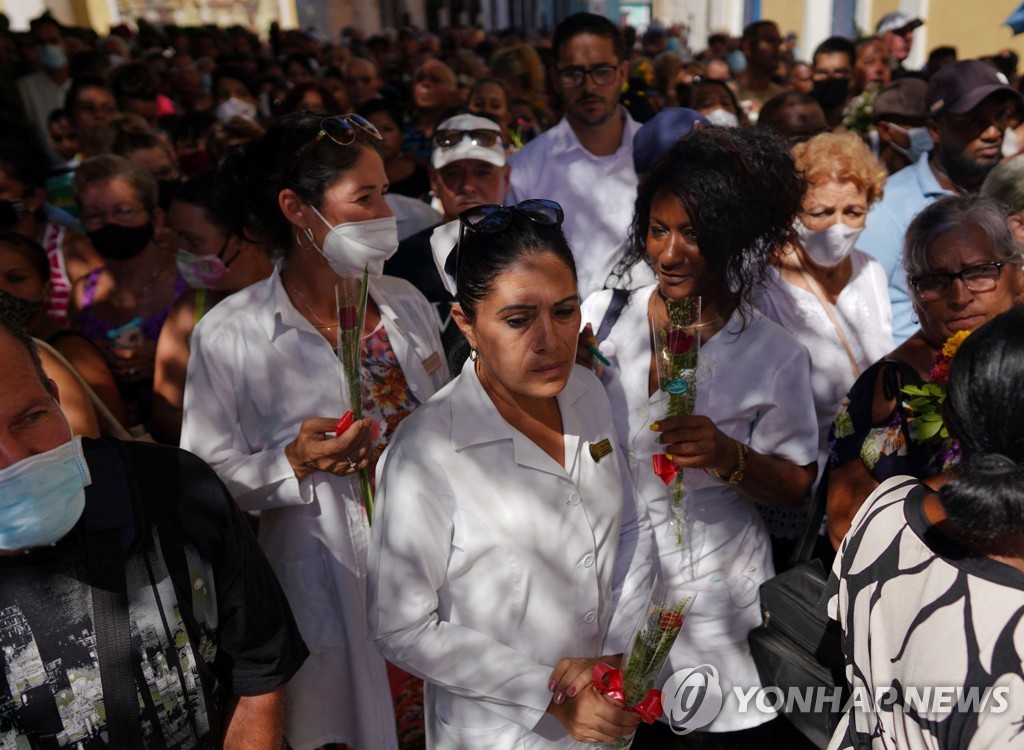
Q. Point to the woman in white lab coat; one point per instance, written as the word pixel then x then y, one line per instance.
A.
pixel 507 552
pixel 264 391
pixel 707 219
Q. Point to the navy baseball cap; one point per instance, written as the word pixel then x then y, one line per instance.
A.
pixel 656 136
pixel 959 87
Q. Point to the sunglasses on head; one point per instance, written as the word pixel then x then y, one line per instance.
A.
pixel 342 130
pixel 491 218
pixel 479 137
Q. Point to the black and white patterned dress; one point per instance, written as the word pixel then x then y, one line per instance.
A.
pixel 933 633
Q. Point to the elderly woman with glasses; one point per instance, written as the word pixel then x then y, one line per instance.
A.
pixel 964 268
pixel 265 390
pixel 122 305
pixel 508 554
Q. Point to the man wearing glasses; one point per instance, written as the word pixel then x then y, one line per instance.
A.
pixel 585 163
pixel 468 168
pixel 968 110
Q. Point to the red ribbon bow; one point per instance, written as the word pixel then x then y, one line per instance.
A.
pixel 664 468
pixel 608 680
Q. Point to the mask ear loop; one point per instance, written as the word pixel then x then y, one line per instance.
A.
pixel 220 255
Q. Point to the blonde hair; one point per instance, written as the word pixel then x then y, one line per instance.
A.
pixel 840 157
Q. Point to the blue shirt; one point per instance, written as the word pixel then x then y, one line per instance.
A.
pixel 906 193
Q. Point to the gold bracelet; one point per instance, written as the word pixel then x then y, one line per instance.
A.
pixel 741 464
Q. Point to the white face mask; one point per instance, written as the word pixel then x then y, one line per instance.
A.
pixel 831 246
pixel 921 142
pixel 722 117
pixel 357 245
pixel 235 107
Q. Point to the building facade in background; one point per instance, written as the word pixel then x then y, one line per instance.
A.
pixel 974 28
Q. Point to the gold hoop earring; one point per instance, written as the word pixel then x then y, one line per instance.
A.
pixel 310 240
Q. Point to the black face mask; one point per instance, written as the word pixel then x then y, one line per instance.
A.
pixel 831 92
pixel 10 213
pixel 167 190
pixel 17 311
pixel 115 242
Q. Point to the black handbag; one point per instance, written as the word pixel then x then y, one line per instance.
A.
pixel 798 648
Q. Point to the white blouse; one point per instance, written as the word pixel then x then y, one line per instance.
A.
pixel 258 368
pixel 754 384
pixel 863 312
pixel 489 561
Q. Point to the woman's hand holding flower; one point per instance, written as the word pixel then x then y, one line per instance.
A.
pixel 344 454
pixel 694 442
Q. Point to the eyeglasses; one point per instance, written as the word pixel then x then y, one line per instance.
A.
pixel 491 218
pixel 980 278
pixel 342 130
pixel 601 75
pixel 120 215
pixel 451 138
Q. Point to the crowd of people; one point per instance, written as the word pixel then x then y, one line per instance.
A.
pixel 184 215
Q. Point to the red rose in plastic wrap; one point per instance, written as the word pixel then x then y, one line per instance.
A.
pixel 348 317
pixel 679 342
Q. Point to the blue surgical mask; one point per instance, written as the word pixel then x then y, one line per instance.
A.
pixel 42 497
pixel 52 56
pixel 920 142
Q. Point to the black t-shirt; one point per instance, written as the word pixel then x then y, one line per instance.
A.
pixel 208 618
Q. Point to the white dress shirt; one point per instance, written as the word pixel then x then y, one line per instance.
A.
pixel 754 383
pixel 596 193
pixel 489 561
pixel 258 368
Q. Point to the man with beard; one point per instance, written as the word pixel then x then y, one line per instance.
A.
pixel 969 109
pixel 586 161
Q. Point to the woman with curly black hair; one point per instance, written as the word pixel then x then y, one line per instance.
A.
pixel 708 219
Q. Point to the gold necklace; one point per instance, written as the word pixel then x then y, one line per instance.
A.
pixel 319 325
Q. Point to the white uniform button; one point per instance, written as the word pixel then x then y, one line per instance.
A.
pixel 414 387
pixel 575 499
pixel 631 457
pixel 589 617
pixel 588 561
pixel 644 410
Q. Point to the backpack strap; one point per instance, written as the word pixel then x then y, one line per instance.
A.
pixel 611 315
pixel 110 527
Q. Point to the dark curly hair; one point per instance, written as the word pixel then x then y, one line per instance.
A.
pixel 741 191
pixel 251 176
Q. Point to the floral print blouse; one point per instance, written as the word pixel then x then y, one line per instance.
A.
pixel 886 448
pixel 387 398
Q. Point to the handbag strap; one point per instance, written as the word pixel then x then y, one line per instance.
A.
pixel 611 315
pixel 108 422
pixel 109 515
pixel 808 540
pixel 820 294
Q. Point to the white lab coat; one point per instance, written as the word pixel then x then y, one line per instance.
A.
pixel 489 562
pixel 754 383
pixel 258 368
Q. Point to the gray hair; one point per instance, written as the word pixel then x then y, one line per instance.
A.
pixel 953 211
pixel 110 167
pixel 1005 184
